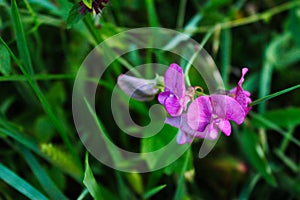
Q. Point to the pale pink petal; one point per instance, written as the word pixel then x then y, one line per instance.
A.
pixel 174 80
pixel 138 88
pixel 184 101
pixel 242 96
pixel 199 113
pixel 174 121
pixel 181 137
pixel 162 96
pixel 228 108
pixel 173 106
pixel 211 132
pixel 244 72
pixel 224 126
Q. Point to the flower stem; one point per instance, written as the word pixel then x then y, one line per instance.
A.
pixel 273 95
pixel 203 42
pixel 251 19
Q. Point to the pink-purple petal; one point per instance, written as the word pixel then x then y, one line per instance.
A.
pixel 199 113
pixel 228 108
pixel 211 132
pixel 174 121
pixel 173 106
pixel 162 96
pixel 242 96
pixel 183 138
pixel 224 126
pixel 174 80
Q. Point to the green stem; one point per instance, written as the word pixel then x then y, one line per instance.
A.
pixel 187 68
pixel 273 95
pixel 251 19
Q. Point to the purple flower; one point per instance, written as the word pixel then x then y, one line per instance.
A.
pixel 209 114
pixel 174 97
pixel 185 134
pixel 138 88
pixel 97 6
pixel 240 95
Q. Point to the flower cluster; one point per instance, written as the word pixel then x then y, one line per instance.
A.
pixel 200 116
pixel 97 6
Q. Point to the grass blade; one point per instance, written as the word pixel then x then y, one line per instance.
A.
pixel 45 181
pixel 180 187
pixel 152 16
pixel 21 41
pixel 56 122
pixel 20 184
pixel 265 84
pixel 5 67
pixel 90 182
pixel 225 54
pixel 153 191
pixel 181 13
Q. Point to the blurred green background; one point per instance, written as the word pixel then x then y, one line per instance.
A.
pixel 42 46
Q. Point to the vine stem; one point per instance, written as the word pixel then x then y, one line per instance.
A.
pixel 248 20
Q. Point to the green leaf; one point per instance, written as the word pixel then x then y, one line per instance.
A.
pixel 46 182
pixel 21 41
pixel 259 121
pixel 52 115
pixel 136 182
pixel 289 183
pixel 153 191
pixel 5 67
pixel 88 3
pixel 283 51
pixel 74 16
pixel 20 184
pixel 179 193
pixel 293 25
pixel 90 182
pixel 288 117
pixel 96 190
pixel 254 152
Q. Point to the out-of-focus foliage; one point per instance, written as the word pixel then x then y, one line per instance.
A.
pixel 43 45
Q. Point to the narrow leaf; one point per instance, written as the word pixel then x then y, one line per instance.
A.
pixel 256 155
pixel 90 182
pixel 20 184
pixel 21 41
pixel 88 3
pixel 45 181
pixel 153 191
pixel 5 67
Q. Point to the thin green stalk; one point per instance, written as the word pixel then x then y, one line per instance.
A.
pixel 225 54
pixel 286 140
pixel 180 185
pixel 21 41
pixel 251 19
pixel 275 127
pixel 97 39
pixel 181 13
pixel 187 68
pixel 152 16
pixel 258 101
pixel 265 84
